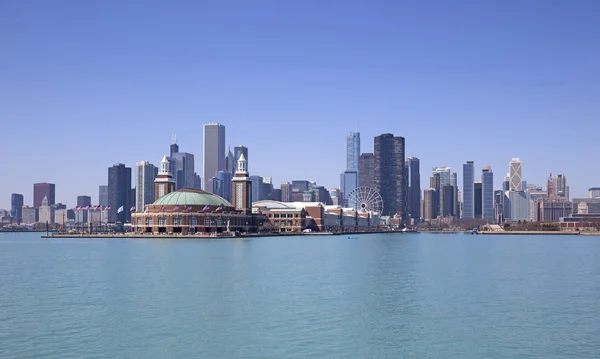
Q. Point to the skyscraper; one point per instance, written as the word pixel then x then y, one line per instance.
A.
pixel 348 183
pixel 145 174
pixel 83 201
pixel 551 187
pixel 225 178
pixel 515 175
pixel 174 146
pixel 444 181
pixel 454 184
pixel 487 180
pixel 230 161
pixel 478 199
pixel 286 192
pixel 119 193
pixel 414 188
pixel 562 190
pixel 214 151
pixel 366 170
pixel 428 203
pixel 16 206
pixel 389 174
pixel 103 195
pixel 237 152
pixel 352 151
pixel 468 190
pixel 257 188
pixel 41 190
pixel 183 169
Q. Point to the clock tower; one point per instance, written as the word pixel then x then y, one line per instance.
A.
pixel 164 183
pixel 241 187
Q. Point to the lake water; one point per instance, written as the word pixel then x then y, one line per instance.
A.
pixel 396 296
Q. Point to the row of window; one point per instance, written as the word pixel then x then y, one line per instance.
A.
pixel 283 215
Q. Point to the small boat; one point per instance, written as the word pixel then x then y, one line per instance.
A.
pixel 352 237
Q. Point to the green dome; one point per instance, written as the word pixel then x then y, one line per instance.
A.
pixel 191 197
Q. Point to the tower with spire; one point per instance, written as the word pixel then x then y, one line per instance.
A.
pixel 174 146
pixel 241 191
pixel 164 182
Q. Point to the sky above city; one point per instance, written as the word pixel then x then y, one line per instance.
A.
pixel 86 84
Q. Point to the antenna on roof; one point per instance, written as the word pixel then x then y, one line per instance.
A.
pixel 174 138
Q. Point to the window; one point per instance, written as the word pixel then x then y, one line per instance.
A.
pixel 177 221
pixel 139 221
pixel 162 221
pixel 194 221
pixel 148 221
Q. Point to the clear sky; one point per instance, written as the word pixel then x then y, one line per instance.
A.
pixel 85 84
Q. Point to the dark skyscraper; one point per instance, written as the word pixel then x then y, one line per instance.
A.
pixel 174 147
pixel 103 195
pixel 435 183
pixel 119 193
pixel 478 199
pixel 448 202
pixel 237 152
pixel 41 190
pixel 389 174
pixel 16 206
pixel 468 181
pixel 366 170
pixel 83 201
pixel 414 187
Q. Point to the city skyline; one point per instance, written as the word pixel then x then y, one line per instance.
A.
pixel 483 81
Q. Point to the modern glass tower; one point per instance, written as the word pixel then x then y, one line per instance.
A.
pixel 469 190
pixel 119 193
pixel 515 175
pixel 145 174
pixel 352 151
pixel 16 206
pixel 214 151
pixel 390 173
pixel 237 152
pixel 487 181
pixel 414 188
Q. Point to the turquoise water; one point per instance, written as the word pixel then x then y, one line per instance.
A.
pixel 396 296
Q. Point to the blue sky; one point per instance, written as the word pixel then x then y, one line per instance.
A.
pixel 85 84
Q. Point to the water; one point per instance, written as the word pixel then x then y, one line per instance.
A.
pixel 397 296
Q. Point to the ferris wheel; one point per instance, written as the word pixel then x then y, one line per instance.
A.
pixel 365 199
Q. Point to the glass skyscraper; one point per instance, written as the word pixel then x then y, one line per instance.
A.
pixel 390 173
pixel 469 190
pixel 487 181
pixel 352 151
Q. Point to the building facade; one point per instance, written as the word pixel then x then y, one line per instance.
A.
pixel 16 207
pixel 468 191
pixel 103 195
pixel 119 193
pixel 257 188
pixel 389 174
pixel 487 182
pixel 83 201
pixel 478 199
pixel 413 184
pixel 366 170
pixel 145 174
pixel 286 192
pixel 515 175
pixel 241 190
pixel 41 191
pixel 348 183
pixel 352 151
pixel 237 153
pixel 214 151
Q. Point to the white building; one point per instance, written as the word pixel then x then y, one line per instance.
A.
pixel 145 174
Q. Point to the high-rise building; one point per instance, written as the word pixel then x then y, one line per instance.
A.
pixel 229 161
pixel 435 183
pixel 478 199
pixel 562 190
pixel 174 146
pixel 594 192
pixel 41 190
pixel 366 170
pixel 515 175
pixel 145 174
pixel 428 204
pixel 119 193
pixel 348 183
pixel 551 187
pixel 276 194
pixel 30 215
pixel 257 187
pixel 225 178
pixel 352 151
pixel 301 185
pixel 468 190
pixel 237 152
pixel 454 184
pixel 487 180
pixel 241 188
pixel 499 206
pixel 103 195
pixel 286 192
pixel 448 200
pixel 16 206
pixel 197 181
pixel 389 174
pixel 413 184
pixel 444 173
pixel 214 150
pixel 46 212
pixel 84 201
pixel 183 169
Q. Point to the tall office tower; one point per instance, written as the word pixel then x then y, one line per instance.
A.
pixel 444 181
pixel 499 206
pixel 103 195
pixel 286 192
pixel 428 203
pixel 301 185
pixel 478 199
pixel 267 189
pixel 119 193
pixel 468 190
pixel 276 194
pixel 41 190
pixel 225 177
pixel 30 214
pixel 229 161
pixel 16 206
pixel 454 184
pixel 562 190
pixel 145 174
pixel 174 146
pixel 515 175
pixel 84 201
pixel 366 170
pixel 551 187
pixel 46 212
pixel 214 150
pixel 487 180
pixel 413 184
pixel 506 183
pixel 435 183
pixel 389 174
pixel 183 169
pixel 257 188
pixel 594 192
pixel 237 152
pixel 448 193
pixel 352 151
pixel 197 181
pixel 348 183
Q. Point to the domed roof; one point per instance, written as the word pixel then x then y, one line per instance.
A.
pixel 192 197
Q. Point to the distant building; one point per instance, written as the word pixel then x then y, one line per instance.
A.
pixel 389 174
pixel 336 197
pixel 145 174
pixel 348 183
pixel 519 206
pixel 225 178
pixel 562 190
pixel 413 184
pixel 534 194
pixel 197 181
pixel 552 210
pixel 478 199
pixel 428 204
pixel 183 169
pixel 267 187
pixel 83 201
pixel 174 147
pixel 444 180
pixel 468 190
pixel 301 185
pixel 214 150
pixel 46 212
pixel 499 206
pixel 229 161
pixel 257 188
pixel 237 152
pixel 16 207
pixel 41 190
pixel 103 195
pixel 352 151
pixel 594 192
pixel 119 193
pixel 30 215
pixel 448 200
pixel 286 192
pixel 366 170
pixel 515 175
pixel 487 181
pixel 454 184
pixel 276 194
pixel 591 205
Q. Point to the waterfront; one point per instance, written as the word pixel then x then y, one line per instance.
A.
pixel 397 295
